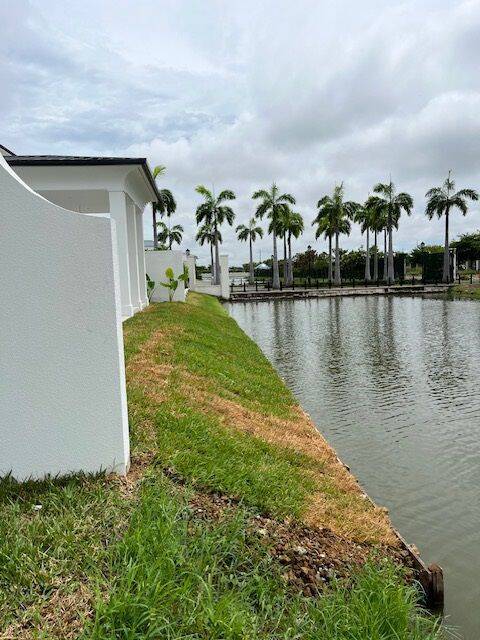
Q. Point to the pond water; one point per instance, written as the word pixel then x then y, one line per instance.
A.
pixel 394 385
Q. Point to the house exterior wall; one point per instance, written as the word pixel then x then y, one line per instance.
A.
pixel 120 191
pixel 156 264
pixel 63 401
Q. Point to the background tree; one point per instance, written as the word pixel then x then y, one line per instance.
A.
pixel 206 234
pixel 393 203
pixel 468 246
pixel 215 212
pixel 250 233
pixel 440 201
pixel 363 216
pixel 378 223
pixel 294 227
pixel 273 206
pixel 169 235
pixel 338 214
pixel 165 206
pixel 325 227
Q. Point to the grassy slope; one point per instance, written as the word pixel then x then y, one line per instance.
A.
pixel 128 559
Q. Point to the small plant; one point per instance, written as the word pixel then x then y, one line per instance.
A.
pixel 150 287
pixel 172 283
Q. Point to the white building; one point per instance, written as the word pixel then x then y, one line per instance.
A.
pixel 120 187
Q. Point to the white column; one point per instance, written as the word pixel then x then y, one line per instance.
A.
pixel 132 256
pixel 142 281
pixel 192 280
pixel 118 211
pixel 224 278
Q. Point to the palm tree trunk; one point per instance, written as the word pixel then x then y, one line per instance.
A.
pixel 276 275
pixel 385 255
pixel 290 264
pixel 391 269
pixel 375 260
pixel 338 275
pixel 285 266
pixel 212 266
pixel 330 278
pixel 217 258
pixel 252 275
pixel 367 259
pixel 154 220
pixel 446 253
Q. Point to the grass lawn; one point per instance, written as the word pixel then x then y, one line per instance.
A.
pixel 236 520
pixel 471 291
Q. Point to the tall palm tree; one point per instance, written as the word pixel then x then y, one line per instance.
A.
pixel 250 233
pixel 334 216
pixel 214 212
pixel 166 204
pixel 378 223
pixel 169 235
pixel 324 222
pixel 273 205
pixel 365 217
pixel 294 227
pixel 207 234
pixel 440 201
pixel 394 203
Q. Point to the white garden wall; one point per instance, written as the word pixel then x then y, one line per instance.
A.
pixel 62 383
pixel 156 263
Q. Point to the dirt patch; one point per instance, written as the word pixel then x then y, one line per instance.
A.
pixel 61 616
pixel 310 557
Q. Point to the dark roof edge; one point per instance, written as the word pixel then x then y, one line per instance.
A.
pixel 7 150
pixel 52 161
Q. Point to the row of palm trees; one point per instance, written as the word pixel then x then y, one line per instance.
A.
pixel 379 214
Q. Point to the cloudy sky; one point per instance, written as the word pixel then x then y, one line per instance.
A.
pixel 238 93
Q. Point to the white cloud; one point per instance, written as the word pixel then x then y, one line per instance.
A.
pixel 243 93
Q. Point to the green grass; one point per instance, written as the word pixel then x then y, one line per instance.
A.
pixel 470 291
pixel 96 562
pixel 181 579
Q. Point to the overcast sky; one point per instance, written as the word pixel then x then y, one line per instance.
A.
pixel 239 93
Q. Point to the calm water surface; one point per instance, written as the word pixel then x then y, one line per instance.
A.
pixel 394 384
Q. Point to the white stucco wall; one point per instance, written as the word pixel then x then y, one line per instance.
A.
pixel 62 382
pixel 156 262
pixel 120 190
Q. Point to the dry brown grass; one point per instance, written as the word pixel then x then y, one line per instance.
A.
pixel 339 503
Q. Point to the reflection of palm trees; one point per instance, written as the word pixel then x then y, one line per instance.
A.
pixel 443 363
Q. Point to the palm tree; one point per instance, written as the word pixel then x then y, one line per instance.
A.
pixel 215 213
pixel 166 204
pixel 250 233
pixel 378 223
pixel 294 227
pixel 169 235
pixel 440 201
pixel 324 222
pixel 207 234
pixel 334 219
pixel 273 206
pixel 394 203
pixel 365 216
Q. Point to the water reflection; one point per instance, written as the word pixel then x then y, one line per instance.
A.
pixel 393 384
